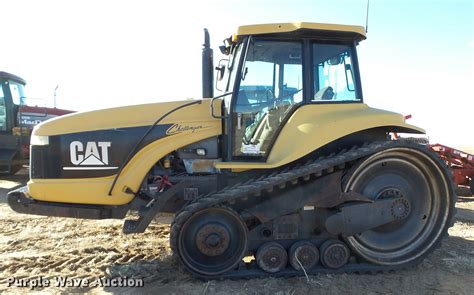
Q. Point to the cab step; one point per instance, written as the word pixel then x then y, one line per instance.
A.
pixel 149 211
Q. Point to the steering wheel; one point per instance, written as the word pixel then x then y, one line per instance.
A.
pixel 281 99
pixel 269 94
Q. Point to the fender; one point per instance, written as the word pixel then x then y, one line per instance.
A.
pixel 315 125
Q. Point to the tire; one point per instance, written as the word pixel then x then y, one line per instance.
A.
pixel 411 171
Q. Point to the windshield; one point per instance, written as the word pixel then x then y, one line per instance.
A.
pixel 18 92
pixel 271 86
pixel 271 75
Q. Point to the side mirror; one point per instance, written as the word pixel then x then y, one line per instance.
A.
pixel 221 69
pixel 220 72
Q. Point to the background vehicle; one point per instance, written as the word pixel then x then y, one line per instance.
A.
pixel 17 121
pixel 288 167
pixel 460 163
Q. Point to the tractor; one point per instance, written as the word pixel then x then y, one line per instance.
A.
pixel 287 171
pixel 17 121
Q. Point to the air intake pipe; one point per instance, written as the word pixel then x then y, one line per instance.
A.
pixel 207 67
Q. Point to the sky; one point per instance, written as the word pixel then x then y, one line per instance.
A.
pixel 418 58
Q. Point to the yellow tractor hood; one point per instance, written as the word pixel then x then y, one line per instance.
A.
pixel 123 117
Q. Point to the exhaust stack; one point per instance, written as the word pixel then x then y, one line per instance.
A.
pixel 207 67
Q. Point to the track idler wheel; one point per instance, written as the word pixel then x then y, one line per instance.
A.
pixel 272 257
pixel 334 254
pixel 212 241
pixel 303 253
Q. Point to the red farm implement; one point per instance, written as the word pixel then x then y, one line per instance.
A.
pixel 459 162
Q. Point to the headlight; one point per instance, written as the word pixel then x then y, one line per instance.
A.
pixel 39 140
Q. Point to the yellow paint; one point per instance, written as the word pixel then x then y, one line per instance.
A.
pixel 309 128
pixel 315 125
pixel 290 27
pixel 95 190
pixel 128 116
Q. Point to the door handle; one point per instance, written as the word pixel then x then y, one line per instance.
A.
pixel 212 106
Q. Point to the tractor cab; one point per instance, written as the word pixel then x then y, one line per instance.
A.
pixel 274 69
pixel 11 96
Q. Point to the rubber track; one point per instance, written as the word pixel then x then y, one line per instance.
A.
pixel 267 183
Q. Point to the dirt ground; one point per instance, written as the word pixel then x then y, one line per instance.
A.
pixel 34 247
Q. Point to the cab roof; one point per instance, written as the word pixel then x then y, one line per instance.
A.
pixel 356 33
pixel 8 76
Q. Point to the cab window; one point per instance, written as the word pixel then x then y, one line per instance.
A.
pixel 3 111
pixel 333 73
pixel 16 90
pixel 271 85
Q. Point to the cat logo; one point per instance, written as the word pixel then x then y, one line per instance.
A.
pixel 95 156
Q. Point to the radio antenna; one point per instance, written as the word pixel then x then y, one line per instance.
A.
pixel 367 17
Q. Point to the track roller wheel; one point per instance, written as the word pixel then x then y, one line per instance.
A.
pixel 212 241
pixel 417 175
pixel 272 257
pixel 334 254
pixel 304 253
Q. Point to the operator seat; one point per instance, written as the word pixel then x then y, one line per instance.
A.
pixel 262 131
pixel 326 93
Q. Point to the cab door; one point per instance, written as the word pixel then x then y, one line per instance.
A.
pixel 3 111
pixel 270 87
pixel 9 144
